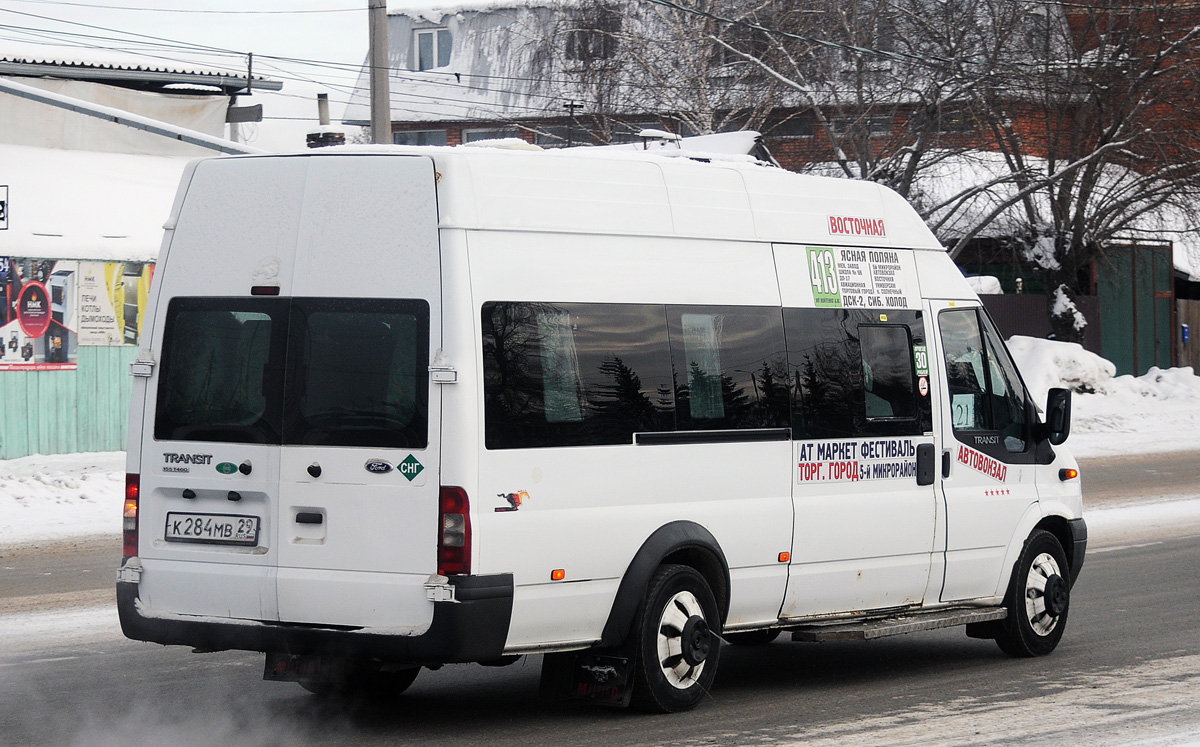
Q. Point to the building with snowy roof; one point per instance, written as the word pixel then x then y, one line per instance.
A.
pixel 92 146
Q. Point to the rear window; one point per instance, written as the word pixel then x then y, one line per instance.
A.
pixel 349 372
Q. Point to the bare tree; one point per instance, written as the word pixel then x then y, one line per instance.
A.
pixel 1079 119
pixel 1074 121
pixel 1099 134
pixel 629 62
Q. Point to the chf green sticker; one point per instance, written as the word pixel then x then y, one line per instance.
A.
pixel 226 468
pixel 410 467
pixel 822 270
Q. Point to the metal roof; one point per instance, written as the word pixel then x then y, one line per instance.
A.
pixel 117 67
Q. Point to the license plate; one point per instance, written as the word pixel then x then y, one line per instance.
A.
pixel 217 529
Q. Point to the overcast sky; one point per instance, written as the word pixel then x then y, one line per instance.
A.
pixel 309 45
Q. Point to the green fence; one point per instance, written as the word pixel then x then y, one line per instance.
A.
pixel 62 412
pixel 1134 284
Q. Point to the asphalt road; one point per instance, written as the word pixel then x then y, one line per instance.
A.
pixel 1128 670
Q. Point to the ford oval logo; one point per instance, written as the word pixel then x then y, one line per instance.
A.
pixel 378 466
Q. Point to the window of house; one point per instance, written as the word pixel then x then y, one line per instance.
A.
pixel 955 122
pixel 800 125
pixel 558 136
pixel 872 126
pixel 419 137
pixel 490 133
pixel 627 132
pixel 745 40
pixel 432 48
pixel 594 35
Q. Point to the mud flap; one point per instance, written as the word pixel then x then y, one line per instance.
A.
pixel 599 678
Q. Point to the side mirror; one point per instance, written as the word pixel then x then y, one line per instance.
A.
pixel 1058 415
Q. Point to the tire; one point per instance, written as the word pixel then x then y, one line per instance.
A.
pixel 677 651
pixel 363 680
pixel 752 637
pixel 1038 599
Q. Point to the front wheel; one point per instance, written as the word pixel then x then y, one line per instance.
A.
pixel 678 645
pixel 1038 599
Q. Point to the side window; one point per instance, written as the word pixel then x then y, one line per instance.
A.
pixel 887 363
pixel 574 374
pixel 825 371
pixel 1007 392
pixel 987 400
pixel 221 365
pixel 729 366
pixel 853 373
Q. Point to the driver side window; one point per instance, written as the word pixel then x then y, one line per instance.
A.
pixel 987 400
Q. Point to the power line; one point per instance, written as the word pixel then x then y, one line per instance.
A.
pixel 193 11
pixel 117 31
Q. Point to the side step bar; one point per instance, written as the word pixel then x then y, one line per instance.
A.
pixel 865 630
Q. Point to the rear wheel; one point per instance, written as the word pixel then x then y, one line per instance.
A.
pixel 677 646
pixel 1038 599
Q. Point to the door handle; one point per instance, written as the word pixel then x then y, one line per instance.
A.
pixel 925 462
pixel 945 464
pixel 309 517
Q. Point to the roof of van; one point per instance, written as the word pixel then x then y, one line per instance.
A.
pixel 636 193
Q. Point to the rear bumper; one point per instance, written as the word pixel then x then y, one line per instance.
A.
pixel 472 628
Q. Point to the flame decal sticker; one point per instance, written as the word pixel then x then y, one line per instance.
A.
pixel 514 500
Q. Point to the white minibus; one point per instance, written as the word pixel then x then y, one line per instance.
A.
pixel 397 407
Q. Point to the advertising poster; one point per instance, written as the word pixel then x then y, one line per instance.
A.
pixel 51 307
pixel 112 302
pixel 40 315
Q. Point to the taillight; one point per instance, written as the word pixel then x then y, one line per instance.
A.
pixel 130 524
pixel 454 538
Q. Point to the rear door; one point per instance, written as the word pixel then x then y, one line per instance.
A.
pixel 297 336
pixel 359 466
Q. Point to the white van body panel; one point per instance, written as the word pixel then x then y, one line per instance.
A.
pixel 803 527
pixel 622 494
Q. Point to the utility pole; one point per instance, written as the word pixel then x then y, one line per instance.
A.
pixel 571 106
pixel 381 96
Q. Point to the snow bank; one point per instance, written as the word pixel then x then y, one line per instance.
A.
pixel 65 495
pixel 1158 411
pixel 982 284
pixel 1046 364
